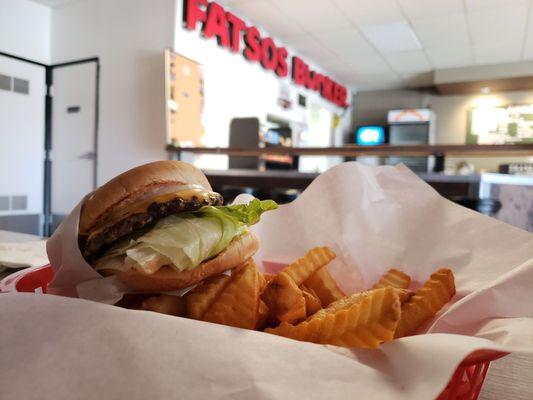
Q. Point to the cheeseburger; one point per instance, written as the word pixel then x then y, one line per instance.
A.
pixel 160 227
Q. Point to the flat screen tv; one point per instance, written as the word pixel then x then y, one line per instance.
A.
pixel 370 135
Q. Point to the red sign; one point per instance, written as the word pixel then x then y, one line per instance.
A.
pixel 231 32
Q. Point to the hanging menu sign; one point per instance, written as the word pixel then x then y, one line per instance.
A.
pixel 232 33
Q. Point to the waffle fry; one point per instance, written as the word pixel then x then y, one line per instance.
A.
pixel 165 304
pixel 393 278
pixel 304 302
pixel 262 281
pixel 365 324
pixel 297 313
pixel 284 298
pixel 238 303
pixel 202 296
pixel 427 301
pixel 268 277
pixel 262 315
pixel 356 298
pixel 312 302
pixel 324 286
pixel 304 267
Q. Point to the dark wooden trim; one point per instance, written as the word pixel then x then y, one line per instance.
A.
pixel 449 185
pixel 383 151
pixel 259 179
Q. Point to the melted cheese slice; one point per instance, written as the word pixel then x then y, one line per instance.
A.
pixel 187 193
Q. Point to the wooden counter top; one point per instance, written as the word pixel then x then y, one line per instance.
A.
pixel 382 151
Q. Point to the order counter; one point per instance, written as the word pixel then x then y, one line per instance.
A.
pixel 447 185
pixel 511 196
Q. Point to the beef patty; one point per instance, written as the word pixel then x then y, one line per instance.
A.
pixel 96 245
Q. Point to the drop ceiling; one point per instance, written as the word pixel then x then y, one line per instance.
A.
pixel 388 43
pixel 53 3
pixel 372 44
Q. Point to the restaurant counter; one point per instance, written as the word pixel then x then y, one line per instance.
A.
pixel 506 197
pixel 447 185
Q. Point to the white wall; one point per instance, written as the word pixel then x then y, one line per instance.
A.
pixel 452 114
pixel 24 32
pixel 371 107
pixel 22 136
pixel 129 36
pixel 25 29
pixel 234 87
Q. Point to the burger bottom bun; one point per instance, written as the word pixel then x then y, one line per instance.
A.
pixel 168 279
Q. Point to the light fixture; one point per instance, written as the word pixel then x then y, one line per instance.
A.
pixel 485 90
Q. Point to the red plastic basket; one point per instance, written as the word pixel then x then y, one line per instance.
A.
pixel 465 383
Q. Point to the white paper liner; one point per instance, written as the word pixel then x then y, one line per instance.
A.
pixel 70 348
pixel 374 218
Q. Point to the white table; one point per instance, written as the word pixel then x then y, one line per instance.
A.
pixel 510 377
pixel 13 237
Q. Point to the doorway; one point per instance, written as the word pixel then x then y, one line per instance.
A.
pixel 74 136
pixel 46 175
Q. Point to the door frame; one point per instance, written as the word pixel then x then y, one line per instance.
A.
pixel 48 106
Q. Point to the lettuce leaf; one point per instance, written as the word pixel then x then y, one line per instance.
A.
pixel 248 214
pixel 187 239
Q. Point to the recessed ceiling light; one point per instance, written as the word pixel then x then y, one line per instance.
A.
pixel 485 90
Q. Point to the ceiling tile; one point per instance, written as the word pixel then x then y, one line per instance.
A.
pixel 446 30
pixel 313 15
pixel 492 25
pixel 370 12
pixel 54 3
pixel 408 62
pixel 450 56
pixel 473 5
pixel 341 71
pixel 369 64
pixel 267 16
pixel 346 43
pixel 307 47
pixel 497 52
pixel 391 37
pixel 430 8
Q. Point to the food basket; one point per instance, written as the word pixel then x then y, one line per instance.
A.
pixel 465 383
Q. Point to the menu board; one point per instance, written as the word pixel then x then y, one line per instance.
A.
pixel 184 92
pixel 500 125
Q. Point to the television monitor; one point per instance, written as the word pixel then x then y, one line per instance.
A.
pixel 370 135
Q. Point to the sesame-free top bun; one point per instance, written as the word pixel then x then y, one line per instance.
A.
pixel 136 184
pixel 168 279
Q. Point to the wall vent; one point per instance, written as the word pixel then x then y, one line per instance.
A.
pixel 19 202
pixel 21 86
pixel 4 203
pixel 5 82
